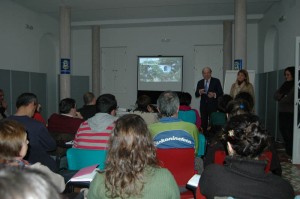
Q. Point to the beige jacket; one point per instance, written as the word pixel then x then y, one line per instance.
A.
pixel 235 89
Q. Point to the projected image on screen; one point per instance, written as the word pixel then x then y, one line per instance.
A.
pixel 160 69
pixel 160 73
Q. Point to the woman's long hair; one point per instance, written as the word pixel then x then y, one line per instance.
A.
pixel 131 150
pixel 245 72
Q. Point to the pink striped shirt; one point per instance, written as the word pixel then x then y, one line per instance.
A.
pixel 86 138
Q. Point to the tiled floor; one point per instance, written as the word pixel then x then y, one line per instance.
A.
pixel 290 172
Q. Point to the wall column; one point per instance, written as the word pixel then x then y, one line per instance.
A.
pixel 96 77
pixel 65 52
pixel 240 32
pixel 227 46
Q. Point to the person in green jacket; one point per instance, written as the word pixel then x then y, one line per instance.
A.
pixel 132 169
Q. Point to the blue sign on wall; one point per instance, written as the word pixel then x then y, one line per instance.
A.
pixel 65 66
pixel 238 64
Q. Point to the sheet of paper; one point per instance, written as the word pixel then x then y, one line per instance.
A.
pixel 194 181
pixel 85 175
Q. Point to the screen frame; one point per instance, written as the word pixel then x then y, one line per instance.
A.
pixel 159 56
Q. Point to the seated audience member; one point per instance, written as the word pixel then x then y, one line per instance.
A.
pixel 40 140
pixel 186 113
pixel 219 118
pixel 132 169
pixel 145 110
pixel 171 132
pixel 68 120
pixel 3 105
pixel 94 133
pixel 38 116
pixel 89 108
pixel 24 184
pixel 13 148
pixel 235 108
pixel 243 175
pixel 214 144
pixel 247 97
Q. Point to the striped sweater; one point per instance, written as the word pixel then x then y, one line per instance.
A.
pixel 95 132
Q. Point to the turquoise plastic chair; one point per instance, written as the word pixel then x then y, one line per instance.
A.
pixel 81 158
pixel 202 145
pixel 187 116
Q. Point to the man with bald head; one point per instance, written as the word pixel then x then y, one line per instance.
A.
pixel 208 89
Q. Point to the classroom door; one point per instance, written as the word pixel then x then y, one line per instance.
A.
pixel 207 55
pixel 114 72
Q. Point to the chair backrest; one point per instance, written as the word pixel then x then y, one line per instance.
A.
pixel 62 138
pixel 180 162
pixel 80 158
pixel 202 145
pixel 217 118
pixel 220 157
pixel 267 155
pixel 188 116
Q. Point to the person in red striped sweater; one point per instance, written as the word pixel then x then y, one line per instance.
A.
pixel 95 132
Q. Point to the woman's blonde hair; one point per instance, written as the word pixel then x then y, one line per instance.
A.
pixel 245 72
pixel 131 150
pixel 12 136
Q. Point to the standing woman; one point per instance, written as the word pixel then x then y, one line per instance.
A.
pixel 131 167
pixel 285 97
pixel 242 84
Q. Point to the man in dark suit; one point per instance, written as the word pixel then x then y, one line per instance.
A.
pixel 209 89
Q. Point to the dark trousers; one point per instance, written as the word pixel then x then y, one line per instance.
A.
pixel 286 125
pixel 205 112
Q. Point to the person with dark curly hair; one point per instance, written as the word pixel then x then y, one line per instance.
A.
pixel 132 169
pixel 243 174
pixel 144 108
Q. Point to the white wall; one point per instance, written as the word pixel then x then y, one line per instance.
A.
pixel 19 49
pixel 287 32
pixel 147 41
pixel 22 49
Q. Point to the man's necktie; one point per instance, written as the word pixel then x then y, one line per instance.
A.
pixel 206 86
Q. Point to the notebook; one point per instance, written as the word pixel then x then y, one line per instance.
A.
pixel 194 181
pixel 86 174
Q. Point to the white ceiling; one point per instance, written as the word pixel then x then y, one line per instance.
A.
pixel 107 12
